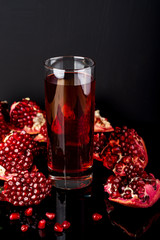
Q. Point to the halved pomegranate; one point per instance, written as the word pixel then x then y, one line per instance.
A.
pixel 134 190
pixel 17 151
pixel 27 115
pixel 25 188
pixel 101 124
pixel 125 147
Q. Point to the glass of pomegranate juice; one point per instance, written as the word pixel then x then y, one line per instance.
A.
pixel 70 105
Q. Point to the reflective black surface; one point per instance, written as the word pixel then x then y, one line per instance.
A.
pixel 77 207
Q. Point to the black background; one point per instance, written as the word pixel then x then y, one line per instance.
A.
pixel 122 36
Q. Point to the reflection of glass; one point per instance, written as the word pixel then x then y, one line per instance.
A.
pixel 70 104
pixel 71 206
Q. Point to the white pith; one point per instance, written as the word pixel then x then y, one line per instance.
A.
pixel 101 121
pixel 2 171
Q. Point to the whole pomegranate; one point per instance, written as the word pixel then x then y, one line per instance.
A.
pixel 124 147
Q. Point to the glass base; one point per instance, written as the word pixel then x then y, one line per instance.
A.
pixel 69 183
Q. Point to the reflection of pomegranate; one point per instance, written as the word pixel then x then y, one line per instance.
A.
pixel 68 113
pixel 125 220
pixel 125 147
pixel 27 115
pixel 137 189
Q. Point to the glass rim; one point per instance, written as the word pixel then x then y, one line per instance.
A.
pixel 92 63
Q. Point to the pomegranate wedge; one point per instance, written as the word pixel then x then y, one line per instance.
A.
pixel 124 147
pixel 139 191
pixel 27 115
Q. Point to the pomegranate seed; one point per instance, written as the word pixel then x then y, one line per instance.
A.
pixel 58 227
pixel 66 224
pixel 14 216
pixel 42 224
pixel 50 215
pixel 24 228
pixel 28 212
pixel 96 216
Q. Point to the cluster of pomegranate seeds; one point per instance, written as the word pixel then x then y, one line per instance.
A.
pixel 23 112
pixel 43 130
pixel 4 129
pixel 16 151
pixel 27 115
pixel 131 143
pixel 27 188
pixel 99 143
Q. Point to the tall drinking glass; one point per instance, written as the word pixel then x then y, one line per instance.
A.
pixel 70 105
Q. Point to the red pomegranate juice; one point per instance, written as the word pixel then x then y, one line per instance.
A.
pixel 70 105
